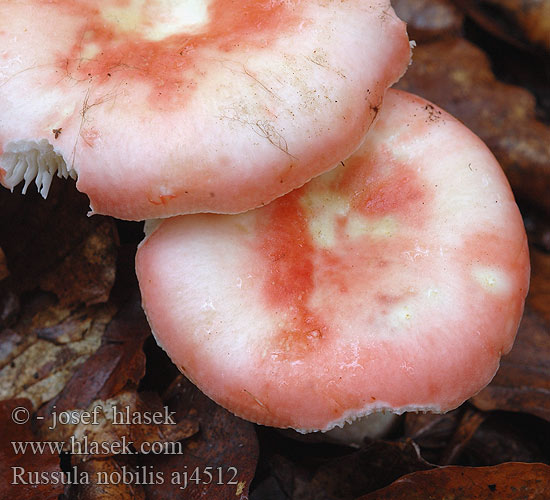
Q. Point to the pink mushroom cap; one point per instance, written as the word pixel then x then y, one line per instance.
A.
pixel 165 107
pixel 395 281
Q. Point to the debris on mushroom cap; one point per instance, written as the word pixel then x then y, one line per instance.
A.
pixel 164 107
pixel 395 281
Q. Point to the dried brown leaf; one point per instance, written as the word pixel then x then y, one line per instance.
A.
pixel 510 481
pixel 16 467
pixel 521 22
pixel 442 437
pixel 87 273
pixel 12 344
pixel 431 430
pixel 469 423
pixel 226 447
pixel 39 369
pixel 54 246
pixel 539 290
pixel 51 245
pixel 9 307
pixel 523 380
pixel 376 465
pixel 117 363
pixel 429 19
pixel 72 328
pixel 456 75
pixel 537 225
pixel 4 272
pixel 508 437
pixel 129 421
pixel 107 479
pixel 315 471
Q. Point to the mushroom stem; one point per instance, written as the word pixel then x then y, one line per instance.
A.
pixel 376 425
pixel 33 160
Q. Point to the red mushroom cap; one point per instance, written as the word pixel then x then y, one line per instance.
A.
pixel 394 282
pixel 168 107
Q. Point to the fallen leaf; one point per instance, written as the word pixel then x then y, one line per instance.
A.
pixel 510 481
pixel 4 272
pixel 64 264
pixel 18 471
pixel 312 472
pixel 507 437
pixel 469 424
pixel 539 290
pixel 108 479
pixel 218 463
pixel 39 369
pixel 70 328
pixel 288 463
pixel 429 19
pixel 87 273
pixel 523 381
pixel 117 363
pixel 432 431
pixel 103 447
pixel 269 488
pixel 442 437
pixel 537 226
pixel 165 429
pixel 523 23
pixel 376 465
pixel 128 421
pixel 9 307
pixel 12 344
pixel 56 247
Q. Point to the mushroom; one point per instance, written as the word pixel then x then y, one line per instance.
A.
pixel 168 107
pixel 394 282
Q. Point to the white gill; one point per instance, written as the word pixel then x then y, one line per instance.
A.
pixel 33 160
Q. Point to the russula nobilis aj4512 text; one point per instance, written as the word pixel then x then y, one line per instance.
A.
pixel 165 107
pixel 395 281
